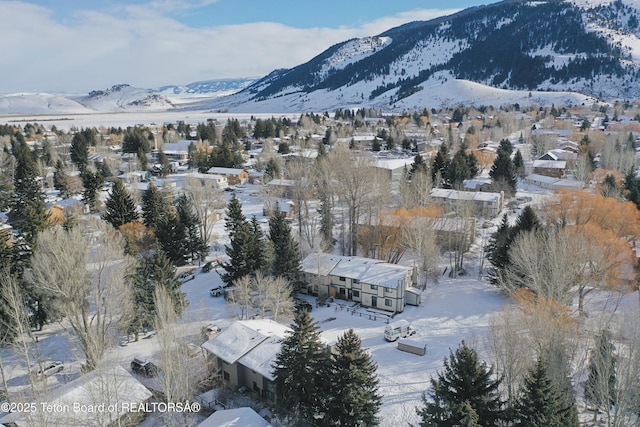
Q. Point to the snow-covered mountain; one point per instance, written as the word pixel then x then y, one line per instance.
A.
pixel 211 88
pixel 39 103
pixel 123 97
pixel 574 50
pixel 514 51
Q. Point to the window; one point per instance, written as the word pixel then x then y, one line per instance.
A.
pixel 388 302
pixel 356 281
pixel 388 290
pixel 374 287
pixel 225 375
pixel 343 291
pixel 356 294
pixel 342 279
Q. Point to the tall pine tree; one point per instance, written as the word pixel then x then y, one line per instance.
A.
pixel 194 243
pixel 28 213
pixel 120 207
pixel 503 171
pixel 541 404
pixel 355 399
pixel 287 259
pixel 155 207
pixel 465 379
pixel 302 371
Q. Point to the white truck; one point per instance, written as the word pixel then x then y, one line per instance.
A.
pixel 398 329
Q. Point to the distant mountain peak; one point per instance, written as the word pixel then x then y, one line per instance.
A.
pixel 586 46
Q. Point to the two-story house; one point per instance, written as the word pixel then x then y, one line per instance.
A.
pixel 370 282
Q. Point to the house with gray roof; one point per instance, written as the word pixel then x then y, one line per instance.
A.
pixel 370 282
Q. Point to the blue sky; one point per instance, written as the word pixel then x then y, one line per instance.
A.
pixel 83 45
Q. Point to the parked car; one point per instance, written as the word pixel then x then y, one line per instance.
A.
pixel 144 367
pixel 210 331
pixel 216 292
pixel 208 266
pixel 301 305
pixel 49 368
pixel 399 329
pixel 185 276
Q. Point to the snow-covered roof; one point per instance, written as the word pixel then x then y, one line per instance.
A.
pixel 260 359
pixel 320 264
pixel 550 164
pixel 353 267
pixel 110 387
pixel 393 164
pixel 236 417
pixel 476 196
pixel 386 275
pixel 234 342
pixel 225 171
pixel 242 337
pixel 367 270
pixel 181 146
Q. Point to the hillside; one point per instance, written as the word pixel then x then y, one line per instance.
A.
pixel 581 46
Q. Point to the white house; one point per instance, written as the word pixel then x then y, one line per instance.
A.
pixel 110 387
pixel 371 282
pixel 244 353
pixel 236 417
pixel 485 204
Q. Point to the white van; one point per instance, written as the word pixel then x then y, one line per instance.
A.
pixel 398 329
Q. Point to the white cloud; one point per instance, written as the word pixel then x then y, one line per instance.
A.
pixel 145 48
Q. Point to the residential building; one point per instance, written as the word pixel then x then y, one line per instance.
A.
pixel 234 175
pixel 243 354
pixel 484 204
pixel 370 282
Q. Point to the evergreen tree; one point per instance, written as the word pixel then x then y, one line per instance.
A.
pixel 165 165
pixel 194 243
pixel 600 388
pixel 234 216
pixel 156 270
pixel 260 253
pixel 172 235
pixel 154 207
pixel 326 222
pixel 499 243
pixel 92 181
pixel 503 171
pixel 79 152
pixel 541 404
pixel 238 251
pixel 498 250
pixel 518 163
pixel 354 393
pixel 527 220
pixel 287 259
pixel 120 207
pixel 60 179
pixel 464 380
pixel 301 372
pixel 440 165
pixel 458 170
pixel 632 187
pixel 418 166
pixel 28 213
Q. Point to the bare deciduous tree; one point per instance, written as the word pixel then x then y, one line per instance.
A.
pixel 88 289
pixel 261 294
pixel 205 200
pixel 180 367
